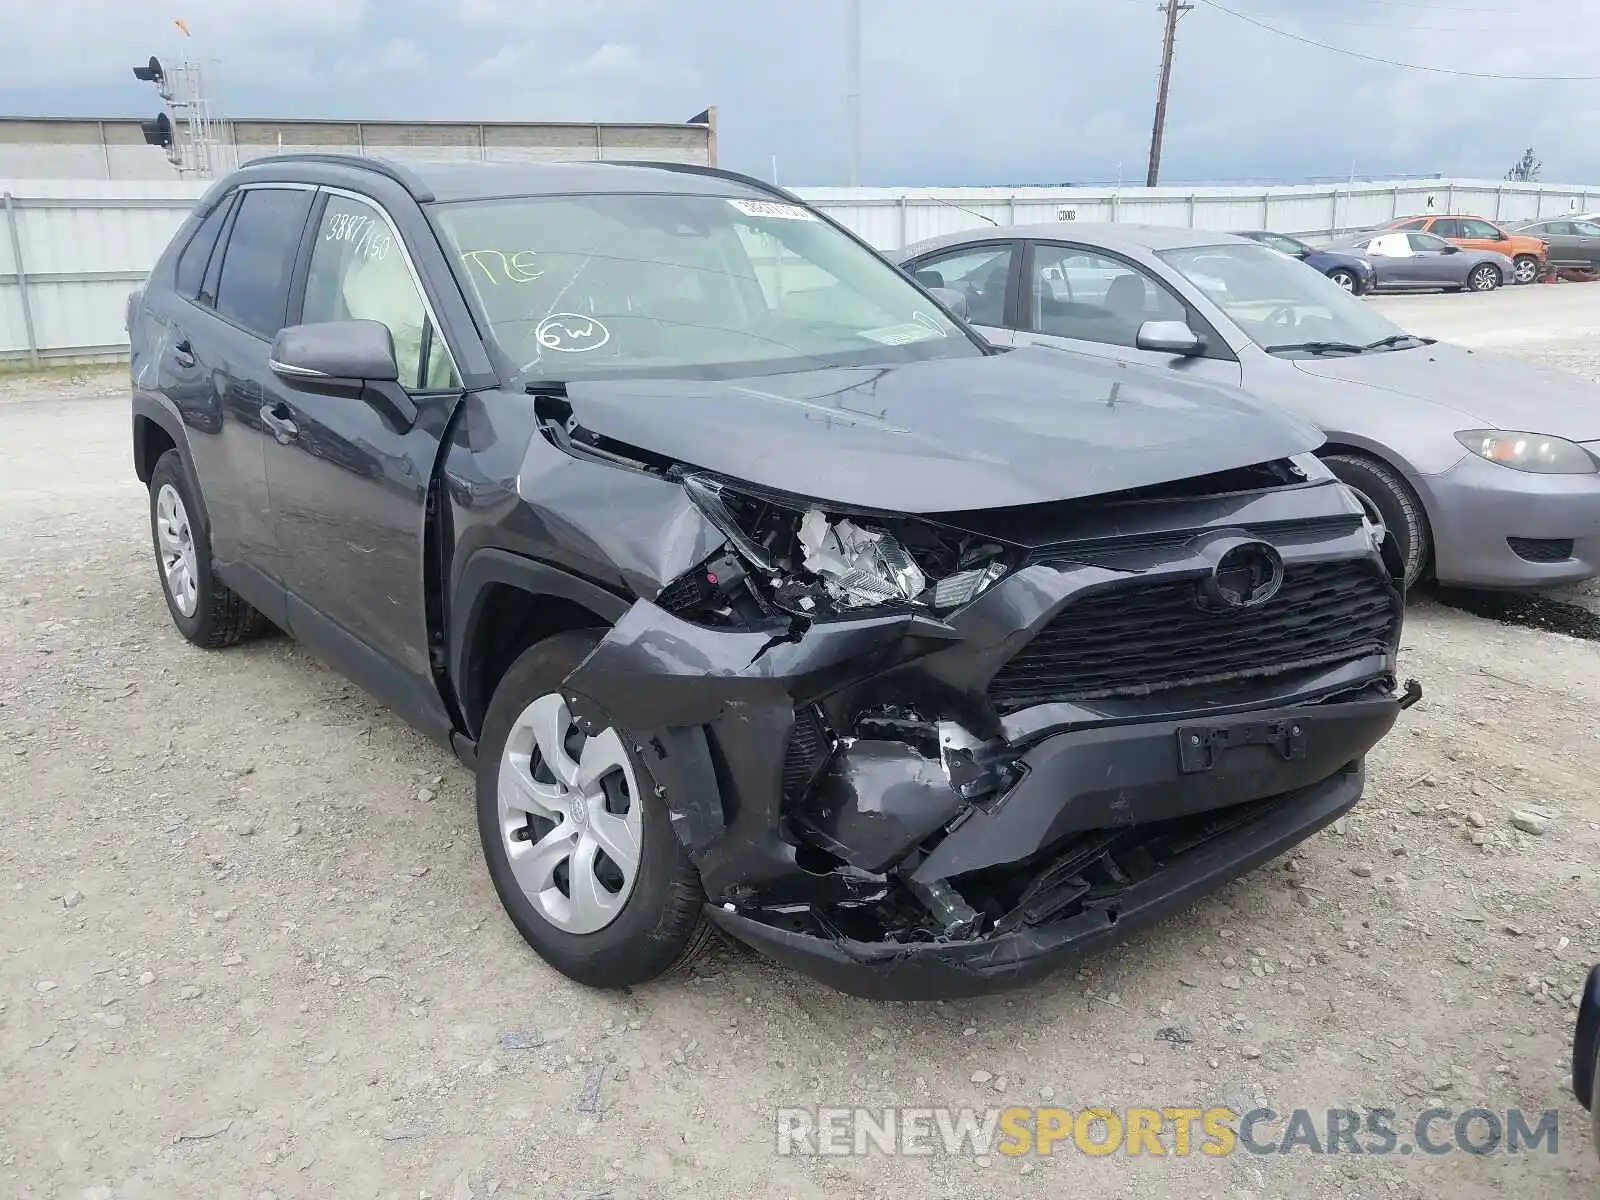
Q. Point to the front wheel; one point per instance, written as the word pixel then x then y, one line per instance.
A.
pixel 1390 502
pixel 1525 268
pixel 1346 279
pixel 1484 278
pixel 580 850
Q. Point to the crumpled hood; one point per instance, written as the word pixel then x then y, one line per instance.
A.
pixel 1489 392
pixel 943 435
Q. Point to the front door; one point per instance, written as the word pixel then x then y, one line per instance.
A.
pixel 349 475
pixel 1089 301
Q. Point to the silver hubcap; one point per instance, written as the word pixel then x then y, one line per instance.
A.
pixel 176 548
pixel 569 817
pixel 1347 282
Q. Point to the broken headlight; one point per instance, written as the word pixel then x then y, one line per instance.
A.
pixel 812 561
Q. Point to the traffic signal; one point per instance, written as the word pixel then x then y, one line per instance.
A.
pixel 151 72
pixel 158 132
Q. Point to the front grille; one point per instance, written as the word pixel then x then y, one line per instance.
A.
pixel 1541 550
pixel 1137 640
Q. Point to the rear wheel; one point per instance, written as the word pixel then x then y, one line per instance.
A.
pixel 1484 278
pixel 1345 279
pixel 579 848
pixel 1390 502
pixel 1525 268
pixel 205 610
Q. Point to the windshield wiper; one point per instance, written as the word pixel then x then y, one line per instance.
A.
pixel 1395 339
pixel 1319 348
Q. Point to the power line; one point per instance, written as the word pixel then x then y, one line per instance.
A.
pixel 1390 62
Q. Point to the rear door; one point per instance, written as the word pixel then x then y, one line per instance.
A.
pixel 1089 300
pixel 219 359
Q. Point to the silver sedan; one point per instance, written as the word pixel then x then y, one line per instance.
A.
pixel 1405 260
pixel 1485 471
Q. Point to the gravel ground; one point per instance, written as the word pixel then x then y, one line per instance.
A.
pixel 250 950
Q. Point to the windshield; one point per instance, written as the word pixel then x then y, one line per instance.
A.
pixel 687 286
pixel 1281 304
pixel 1285 244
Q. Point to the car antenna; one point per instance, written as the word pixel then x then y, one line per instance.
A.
pixel 963 208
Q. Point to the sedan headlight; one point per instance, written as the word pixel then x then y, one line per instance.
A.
pixel 1536 452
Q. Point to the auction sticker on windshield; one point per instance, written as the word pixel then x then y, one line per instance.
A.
pixel 902 335
pixel 772 208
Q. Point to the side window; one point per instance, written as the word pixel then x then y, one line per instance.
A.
pixel 1479 229
pixel 1448 227
pixel 978 272
pixel 253 289
pixel 1080 294
pixel 1413 223
pixel 358 273
pixel 192 262
pixel 1552 229
pixel 1424 243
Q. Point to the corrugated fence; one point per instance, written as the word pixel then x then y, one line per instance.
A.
pixel 71 252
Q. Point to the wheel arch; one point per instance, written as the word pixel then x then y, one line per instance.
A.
pixel 503 603
pixel 157 430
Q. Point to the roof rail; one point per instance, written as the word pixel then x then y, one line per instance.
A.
pixel 406 178
pixel 685 168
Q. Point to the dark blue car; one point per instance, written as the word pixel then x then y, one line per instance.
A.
pixel 1350 271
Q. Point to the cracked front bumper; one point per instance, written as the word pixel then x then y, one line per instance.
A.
pixel 952 969
pixel 860 799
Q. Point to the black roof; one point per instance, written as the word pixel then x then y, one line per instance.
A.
pixel 451 181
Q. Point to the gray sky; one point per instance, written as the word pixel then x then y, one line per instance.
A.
pixel 1012 92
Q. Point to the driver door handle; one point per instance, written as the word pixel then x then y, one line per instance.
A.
pixel 276 418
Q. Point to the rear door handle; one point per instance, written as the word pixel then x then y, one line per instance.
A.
pixel 183 353
pixel 274 417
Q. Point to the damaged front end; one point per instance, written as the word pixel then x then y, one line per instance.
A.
pixel 935 756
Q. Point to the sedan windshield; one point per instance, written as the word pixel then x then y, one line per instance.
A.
pixel 1282 305
pixel 586 286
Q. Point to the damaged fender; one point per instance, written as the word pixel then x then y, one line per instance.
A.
pixel 666 679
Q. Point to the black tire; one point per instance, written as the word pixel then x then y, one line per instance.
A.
pixel 221 616
pixel 662 925
pixel 1484 278
pixel 1346 279
pixel 1525 264
pixel 1380 488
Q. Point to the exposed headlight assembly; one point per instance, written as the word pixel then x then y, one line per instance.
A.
pixel 813 561
pixel 1535 452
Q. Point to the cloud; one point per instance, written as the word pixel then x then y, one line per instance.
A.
pixel 1056 90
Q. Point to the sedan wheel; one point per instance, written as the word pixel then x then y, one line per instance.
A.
pixel 1344 279
pixel 1526 270
pixel 1484 278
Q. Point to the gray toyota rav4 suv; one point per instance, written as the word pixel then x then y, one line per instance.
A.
pixel 760 593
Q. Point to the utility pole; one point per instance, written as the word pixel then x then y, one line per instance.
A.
pixel 1174 9
pixel 855 93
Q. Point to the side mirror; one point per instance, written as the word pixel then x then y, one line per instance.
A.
pixel 1451 249
pixel 338 357
pixel 955 301
pixel 1169 337
pixel 929 279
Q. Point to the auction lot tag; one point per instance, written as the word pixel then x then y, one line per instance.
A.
pixel 772 208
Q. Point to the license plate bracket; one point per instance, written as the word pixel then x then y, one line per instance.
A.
pixel 1199 746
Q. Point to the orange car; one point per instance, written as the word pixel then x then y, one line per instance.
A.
pixel 1529 254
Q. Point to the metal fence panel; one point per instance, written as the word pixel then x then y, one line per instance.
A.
pixel 84 244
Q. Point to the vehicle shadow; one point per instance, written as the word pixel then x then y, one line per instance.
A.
pixel 1531 610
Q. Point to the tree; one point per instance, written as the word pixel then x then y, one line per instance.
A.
pixel 1525 169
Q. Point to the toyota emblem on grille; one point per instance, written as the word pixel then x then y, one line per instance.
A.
pixel 1247 576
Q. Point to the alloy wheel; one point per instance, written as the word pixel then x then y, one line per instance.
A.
pixel 570 816
pixel 175 537
pixel 1526 270
pixel 1485 279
